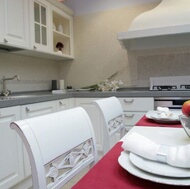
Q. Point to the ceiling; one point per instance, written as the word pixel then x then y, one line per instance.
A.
pixel 81 7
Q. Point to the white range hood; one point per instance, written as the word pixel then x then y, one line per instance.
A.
pixel 167 25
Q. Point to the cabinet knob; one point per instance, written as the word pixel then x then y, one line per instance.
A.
pixel 128 100
pixel 27 109
pixel 35 47
pixel 61 103
pixel 5 40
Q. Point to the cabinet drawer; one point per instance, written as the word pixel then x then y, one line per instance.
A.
pixel 131 118
pixel 37 109
pixel 62 104
pixel 137 104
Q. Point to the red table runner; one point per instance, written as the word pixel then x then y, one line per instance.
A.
pixel 108 174
pixel 144 121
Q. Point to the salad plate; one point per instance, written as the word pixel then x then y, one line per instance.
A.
pixel 158 168
pixel 155 115
pixel 124 161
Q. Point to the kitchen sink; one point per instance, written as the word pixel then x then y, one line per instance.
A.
pixel 16 97
pixel 19 96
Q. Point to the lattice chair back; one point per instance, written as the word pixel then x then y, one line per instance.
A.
pixel 59 145
pixel 112 117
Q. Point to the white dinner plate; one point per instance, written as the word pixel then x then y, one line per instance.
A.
pixel 125 162
pixel 154 115
pixel 157 168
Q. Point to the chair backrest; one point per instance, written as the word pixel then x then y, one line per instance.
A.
pixel 59 146
pixel 112 117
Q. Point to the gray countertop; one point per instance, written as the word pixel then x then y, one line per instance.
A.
pixel 48 96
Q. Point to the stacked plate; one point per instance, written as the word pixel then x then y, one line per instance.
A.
pixel 155 115
pixel 154 171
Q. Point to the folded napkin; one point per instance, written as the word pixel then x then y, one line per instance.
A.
pixel 178 156
pixel 164 112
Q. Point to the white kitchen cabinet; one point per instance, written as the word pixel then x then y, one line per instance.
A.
pixel 62 104
pixel 95 117
pixel 14 21
pixel 11 158
pixel 33 110
pixel 135 108
pixel 40 24
pixel 37 109
pixel 62 32
pixel 50 24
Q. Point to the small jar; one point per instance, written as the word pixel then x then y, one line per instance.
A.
pixel 60 28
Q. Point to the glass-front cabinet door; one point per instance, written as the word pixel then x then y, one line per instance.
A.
pixel 40 25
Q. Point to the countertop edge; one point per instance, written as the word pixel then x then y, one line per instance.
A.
pixel 91 94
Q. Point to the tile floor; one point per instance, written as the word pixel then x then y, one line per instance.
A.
pixel 73 181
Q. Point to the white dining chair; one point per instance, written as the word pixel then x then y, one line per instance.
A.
pixel 59 146
pixel 112 117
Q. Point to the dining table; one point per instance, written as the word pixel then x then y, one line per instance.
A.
pixel 144 121
pixel 112 173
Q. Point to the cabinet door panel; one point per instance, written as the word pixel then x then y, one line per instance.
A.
pixel 62 104
pixel 137 104
pixel 33 110
pixel 40 25
pixel 95 117
pixel 131 118
pixel 11 158
pixel 16 23
pixel 37 109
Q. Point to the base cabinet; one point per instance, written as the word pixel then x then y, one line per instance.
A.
pixel 11 158
pixel 15 170
pixel 29 111
pixel 95 117
pixel 62 104
pixel 33 110
pixel 97 122
pixel 135 108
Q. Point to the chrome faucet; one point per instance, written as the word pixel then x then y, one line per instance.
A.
pixel 5 91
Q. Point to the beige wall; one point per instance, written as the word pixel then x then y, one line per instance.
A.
pixel 98 55
pixel 35 73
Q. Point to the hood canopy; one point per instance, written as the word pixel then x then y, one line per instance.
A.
pixel 167 25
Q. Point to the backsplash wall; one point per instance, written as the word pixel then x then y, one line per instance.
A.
pixel 158 63
pixel 35 73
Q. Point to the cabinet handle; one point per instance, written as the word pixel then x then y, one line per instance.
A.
pixel 131 115
pixel 35 47
pixel 5 40
pixel 27 109
pixel 128 101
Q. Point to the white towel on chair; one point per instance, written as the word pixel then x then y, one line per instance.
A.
pixel 178 156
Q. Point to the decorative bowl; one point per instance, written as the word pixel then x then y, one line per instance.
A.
pixel 185 122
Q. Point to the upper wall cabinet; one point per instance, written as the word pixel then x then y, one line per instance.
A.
pixel 51 27
pixel 40 25
pixel 14 21
pixel 62 32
